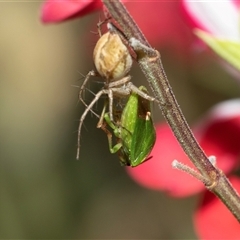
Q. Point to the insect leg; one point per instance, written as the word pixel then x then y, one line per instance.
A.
pixel 98 95
pixel 101 118
pixel 119 82
pixel 110 97
pixel 141 93
pixel 83 86
pixel 99 25
pixel 115 148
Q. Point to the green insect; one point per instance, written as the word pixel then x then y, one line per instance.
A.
pixel 134 131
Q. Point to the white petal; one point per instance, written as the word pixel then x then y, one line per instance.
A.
pixel 227 109
pixel 224 110
pixel 221 18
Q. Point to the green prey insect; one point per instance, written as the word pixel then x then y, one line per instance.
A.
pixel 134 131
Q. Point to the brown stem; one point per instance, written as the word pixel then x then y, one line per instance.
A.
pixel 151 65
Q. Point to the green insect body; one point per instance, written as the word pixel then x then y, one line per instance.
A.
pixel 135 131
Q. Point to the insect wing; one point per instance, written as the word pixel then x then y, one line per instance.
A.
pixel 128 122
pixel 144 135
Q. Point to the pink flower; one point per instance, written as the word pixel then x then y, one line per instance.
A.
pixel 165 31
pixel 54 11
pixel 217 25
pixel 220 18
pixel 219 134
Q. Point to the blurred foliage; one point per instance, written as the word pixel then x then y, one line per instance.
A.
pixel 229 50
pixel 45 192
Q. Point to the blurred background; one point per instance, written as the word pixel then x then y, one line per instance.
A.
pixel 44 191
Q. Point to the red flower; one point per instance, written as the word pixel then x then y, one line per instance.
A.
pixel 219 135
pixel 213 220
pixel 165 30
pixel 54 11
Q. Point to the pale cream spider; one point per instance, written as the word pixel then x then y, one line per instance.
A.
pixel 113 63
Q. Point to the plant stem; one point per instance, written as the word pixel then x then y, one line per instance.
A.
pixel 151 65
